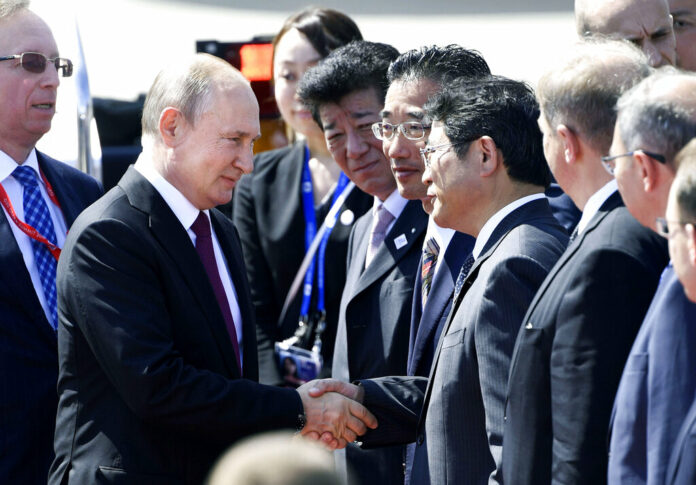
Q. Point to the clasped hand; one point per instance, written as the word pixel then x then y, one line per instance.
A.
pixel 334 413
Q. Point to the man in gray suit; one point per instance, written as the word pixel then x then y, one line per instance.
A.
pixel 473 160
pixel 346 95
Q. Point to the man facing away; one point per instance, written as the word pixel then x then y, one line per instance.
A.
pixel 655 120
pixel 41 198
pixel 158 364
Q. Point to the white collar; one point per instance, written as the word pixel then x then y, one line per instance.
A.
pixel 8 165
pixel 442 235
pixel 394 204
pixel 182 208
pixel 595 202
pixel 492 223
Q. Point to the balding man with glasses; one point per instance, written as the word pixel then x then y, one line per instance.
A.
pixel 655 120
pixel 40 198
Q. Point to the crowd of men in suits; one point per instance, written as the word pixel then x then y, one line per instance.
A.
pixel 518 305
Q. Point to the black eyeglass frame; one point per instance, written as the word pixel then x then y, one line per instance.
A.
pixel 609 167
pixel 62 64
pixel 662 225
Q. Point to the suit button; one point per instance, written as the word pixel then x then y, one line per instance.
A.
pixel 420 439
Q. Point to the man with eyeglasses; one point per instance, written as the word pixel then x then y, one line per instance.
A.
pixel 345 93
pixel 487 180
pixel 40 199
pixel 645 23
pixel 578 329
pixel 655 120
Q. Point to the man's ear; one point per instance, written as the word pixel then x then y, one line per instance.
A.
pixel 490 158
pixel 648 169
pixel 571 143
pixel 171 126
pixel 691 243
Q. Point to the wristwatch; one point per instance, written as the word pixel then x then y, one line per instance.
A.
pixel 300 423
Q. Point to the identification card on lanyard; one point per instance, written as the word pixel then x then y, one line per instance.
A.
pixel 26 228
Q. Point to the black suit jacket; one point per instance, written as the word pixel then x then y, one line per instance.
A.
pixel 269 217
pixel 28 350
pixel 572 347
pixel 373 327
pixel 149 388
pixel 456 415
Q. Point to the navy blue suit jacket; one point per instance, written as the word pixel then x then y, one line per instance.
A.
pixel 657 388
pixel 682 465
pixel 28 353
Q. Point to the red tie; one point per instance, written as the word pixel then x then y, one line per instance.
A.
pixel 204 248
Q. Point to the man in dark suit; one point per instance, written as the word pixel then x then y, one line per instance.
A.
pixel 655 120
pixel 157 353
pixel 346 94
pixel 579 328
pixel 47 195
pixel 474 159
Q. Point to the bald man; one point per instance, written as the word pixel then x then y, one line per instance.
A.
pixel 645 23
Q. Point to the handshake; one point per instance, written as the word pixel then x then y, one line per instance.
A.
pixel 334 413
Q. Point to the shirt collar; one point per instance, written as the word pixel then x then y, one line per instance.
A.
pixel 442 235
pixel 394 204
pixel 492 223
pixel 595 202
pixel 8 165
pixel 182 208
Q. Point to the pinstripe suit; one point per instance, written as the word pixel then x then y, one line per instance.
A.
pixel 456 415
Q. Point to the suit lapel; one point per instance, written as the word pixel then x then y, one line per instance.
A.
pixel 175 241
pixel 409 225
pixel 69 205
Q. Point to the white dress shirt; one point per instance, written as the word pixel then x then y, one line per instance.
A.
pixel 187 213
pixel 595 202
pixel 442 236
pixel 492 223
pixel 15 192
pixel 394 204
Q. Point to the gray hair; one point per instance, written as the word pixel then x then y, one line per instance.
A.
pixel 187 88
pixel 685 182
pixel 582 92
pixel 10 7
pixel 655 116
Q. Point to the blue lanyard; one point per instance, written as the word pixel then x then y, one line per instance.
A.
pixel 310 232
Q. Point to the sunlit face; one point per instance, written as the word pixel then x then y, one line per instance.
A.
pixel 684 15
pixel 28 100
pixel 630 182
pixel 681 244
pixel 553 149
pixel 452 183
pixel 294 54
pixel 645 23
pixel 404 103
pixel 348 132
pixel 216 150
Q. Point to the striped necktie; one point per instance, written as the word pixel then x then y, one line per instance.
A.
pixel 430 254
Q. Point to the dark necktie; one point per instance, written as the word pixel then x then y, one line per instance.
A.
pixel 204 248
pixel 36 215
pixel 463 273
pixel 430 254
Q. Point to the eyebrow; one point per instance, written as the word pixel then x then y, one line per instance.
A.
pixel 419 115
pixel 361 114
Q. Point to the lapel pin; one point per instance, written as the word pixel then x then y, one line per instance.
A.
pixel 413 230
pixel 400 241
pixel 529 326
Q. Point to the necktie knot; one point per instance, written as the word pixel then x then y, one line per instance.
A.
pixel 430 254
pixel 25 176
pixel 201 226
pixel 379 231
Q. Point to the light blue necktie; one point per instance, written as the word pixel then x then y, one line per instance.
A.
pixel 36 215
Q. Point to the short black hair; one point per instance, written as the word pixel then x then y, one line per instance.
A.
pixel 501 108
pixel 438 64
pixel 357 66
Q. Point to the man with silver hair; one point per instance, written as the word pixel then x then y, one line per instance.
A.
pixel 655 120
pixel 580 326
pixel 645 23
pixel 158 365
pixel 40 198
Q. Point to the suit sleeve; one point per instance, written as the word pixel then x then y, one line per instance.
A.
pixel 513 282
pixel 260 281
pixel 597 322
pixel 113 291
pixel 396 402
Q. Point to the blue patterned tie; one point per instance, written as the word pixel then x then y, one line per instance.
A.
pixel 36 215
pixel 430 254
pixel 466 267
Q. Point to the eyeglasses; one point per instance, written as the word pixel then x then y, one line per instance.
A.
pixel 36 63
pixel 413 130
pixel 610 165
pixel 662 225
pixel 427 151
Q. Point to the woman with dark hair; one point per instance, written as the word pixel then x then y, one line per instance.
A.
pixel 280 206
